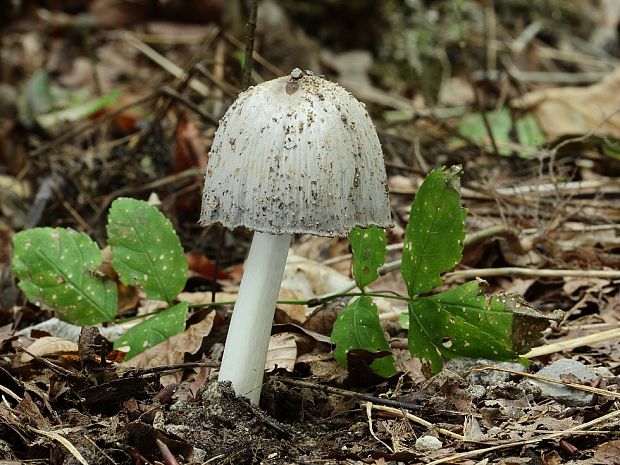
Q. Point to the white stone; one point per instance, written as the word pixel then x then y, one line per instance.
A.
pixel 427 444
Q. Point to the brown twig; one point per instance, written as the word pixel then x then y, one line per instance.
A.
pixel 249 44
pixel 536 273
pixel 168 457
pixel 418 420
pixel 356 395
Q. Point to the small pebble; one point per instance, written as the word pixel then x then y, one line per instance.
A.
pixel 427 444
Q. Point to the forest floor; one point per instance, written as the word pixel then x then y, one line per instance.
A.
pixel 114 98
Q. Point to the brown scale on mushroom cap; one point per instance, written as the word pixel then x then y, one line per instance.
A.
pixel 298 154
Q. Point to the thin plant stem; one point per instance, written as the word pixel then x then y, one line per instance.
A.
pixel 249 45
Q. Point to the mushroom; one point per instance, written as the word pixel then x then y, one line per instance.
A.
pixel 294 155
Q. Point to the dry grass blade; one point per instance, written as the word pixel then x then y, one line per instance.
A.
pixel 64 441
pixel 547 379
pixel 371 429
pixel 166 64
pixel 612 334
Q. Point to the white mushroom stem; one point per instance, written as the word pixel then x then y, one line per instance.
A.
pixel 245 352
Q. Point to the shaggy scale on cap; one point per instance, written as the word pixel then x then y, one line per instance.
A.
pixel 297 154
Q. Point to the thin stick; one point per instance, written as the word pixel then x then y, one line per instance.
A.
pixel 356 395
pixel 526 272
pixel 249 45
pixel 62 440
pixel 574 343
pixel 166 64
pixel 548 379
pixel 370 427
pixel 416 419
pixel 10 393
pixel 257 56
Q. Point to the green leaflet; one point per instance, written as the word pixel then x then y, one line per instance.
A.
pixel 56 266
pixel 154 330
pixel 435 232
pixel 358 327
pixel 369 251
pixel 463 322
pixel 146 251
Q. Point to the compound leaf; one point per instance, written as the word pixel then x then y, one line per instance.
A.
pixel 368 246
pixel 146 251
pixel 154 330
pixel 358 327
pixel 435 232
pixel 55 267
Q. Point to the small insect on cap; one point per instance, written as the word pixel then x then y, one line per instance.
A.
pixel 297 154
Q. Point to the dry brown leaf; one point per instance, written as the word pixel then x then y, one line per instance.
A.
pixel 172 351
pixel 577 110
pixel 305 279
pixel 456 92
pixel 608 452
pixel 49 345
pixel 282 352
pixel 586 285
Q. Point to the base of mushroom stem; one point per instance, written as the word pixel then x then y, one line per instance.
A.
pixel 245 352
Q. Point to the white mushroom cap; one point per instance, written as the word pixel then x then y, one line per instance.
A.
pixel 298 154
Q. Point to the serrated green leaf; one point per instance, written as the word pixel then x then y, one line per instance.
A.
pixel 55 268
pixel 358 327
pixel 151 332
pixel 460 322
pixel 368 246
pixel 146 251
pixel 435 232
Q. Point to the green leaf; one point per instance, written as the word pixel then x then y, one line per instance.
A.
pixel 52 121
pixel 55 268
pixel 463 322
pixel 529 132
pixel 435 232
pixel 369 251
pixel 35 98
pixel 151 332
pixel 526 127
pixel 146 251
pixel 358 327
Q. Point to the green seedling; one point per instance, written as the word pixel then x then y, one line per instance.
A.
pixel 458 322
pixel 59 269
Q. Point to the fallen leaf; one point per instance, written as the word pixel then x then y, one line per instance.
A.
pixel 565 111
pixel 49 345
pixel 305 279
pixel 282 352
pixel 172 351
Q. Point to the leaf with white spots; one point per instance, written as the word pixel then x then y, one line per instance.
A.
pixel 368 246
pixel 153 331
pixel 56 268
pixel 358 327
pixel 462 322
pixel 146 252
pixel 435 231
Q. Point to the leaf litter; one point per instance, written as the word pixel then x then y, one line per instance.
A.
pixel 69 397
